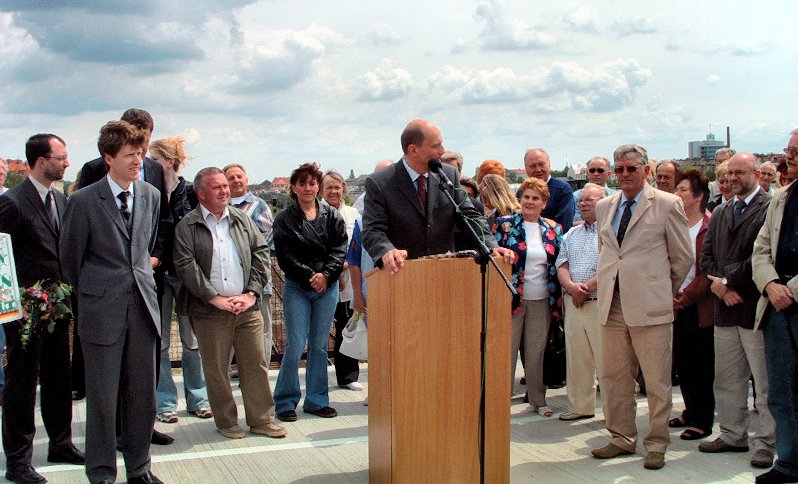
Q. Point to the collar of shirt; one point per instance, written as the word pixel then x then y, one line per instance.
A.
pixel 749 197
pixel 413 174
pixel 636 199
pixel 207 213
pixel 43 190
pixel 590 227
pixel 116 190
pixel 247 197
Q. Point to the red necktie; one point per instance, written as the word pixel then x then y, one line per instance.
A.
pixel 422 190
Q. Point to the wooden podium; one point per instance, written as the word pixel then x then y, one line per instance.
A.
pixel 425 373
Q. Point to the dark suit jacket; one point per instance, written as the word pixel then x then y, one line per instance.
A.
pixel 105 262
pixel 560 206
pixel 96 169
pixel 35 240
pixel 393 217
pixel 727 253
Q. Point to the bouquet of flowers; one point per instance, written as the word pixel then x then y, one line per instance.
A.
pixel 43 306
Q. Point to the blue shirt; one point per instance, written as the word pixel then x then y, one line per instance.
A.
pixel 580 250
pixel 616 221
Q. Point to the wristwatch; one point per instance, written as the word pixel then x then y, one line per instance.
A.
pixel 253 293
pixel 724 281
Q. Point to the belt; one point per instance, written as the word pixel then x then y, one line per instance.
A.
pixel 592 299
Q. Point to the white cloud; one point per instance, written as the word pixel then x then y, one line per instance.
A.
pixel 381 34
pixel 581 18
pixel 501 33
pixel 640 25
pixel 385 83
pixel 713 80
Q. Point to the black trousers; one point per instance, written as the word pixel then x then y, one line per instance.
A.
pixel 694 351
pixel 46 362
pixel 346 368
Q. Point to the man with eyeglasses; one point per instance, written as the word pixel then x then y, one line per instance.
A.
pixel 644 255
pixel 739 348
pixel 576 268
pixel 767 175
pixel 598 173
pixel 775 272
pixel 31 213
pixel 560 206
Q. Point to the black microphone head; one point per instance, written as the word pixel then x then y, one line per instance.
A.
pixel 434 165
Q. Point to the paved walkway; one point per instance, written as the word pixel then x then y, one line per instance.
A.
pixel 336 450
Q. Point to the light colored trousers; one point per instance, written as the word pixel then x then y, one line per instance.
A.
pixel 739 354
pixel 531 323
pixel 652 348
pixel 583 354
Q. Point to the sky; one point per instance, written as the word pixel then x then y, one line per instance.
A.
pixel 271 84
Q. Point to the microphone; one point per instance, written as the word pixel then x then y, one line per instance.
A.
pixel 436 167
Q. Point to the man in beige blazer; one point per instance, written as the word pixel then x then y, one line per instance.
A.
pixel 644 255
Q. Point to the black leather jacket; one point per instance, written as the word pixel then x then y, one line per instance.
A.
pixel 305 247
pixel 181 201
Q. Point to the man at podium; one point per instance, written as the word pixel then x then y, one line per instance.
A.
pixel 406 215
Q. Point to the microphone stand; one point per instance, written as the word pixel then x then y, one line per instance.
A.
pixel 482 258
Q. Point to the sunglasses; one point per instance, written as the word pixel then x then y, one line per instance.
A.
pixel 630 169
pixel 596 170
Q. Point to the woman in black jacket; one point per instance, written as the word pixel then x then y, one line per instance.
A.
pixel 310 241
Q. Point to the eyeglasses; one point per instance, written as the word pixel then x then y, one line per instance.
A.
pixel 57 158
pixel 588 199
pixel 792 151
pixel 596 170
pixel 630 169
pixel 738 173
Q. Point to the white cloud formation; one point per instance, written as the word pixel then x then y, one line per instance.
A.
pixel 562 86
pixel 580 18
pixel 639 25
pixel 501 33
pixel 381 34
pixel 385 83
pixel 713 80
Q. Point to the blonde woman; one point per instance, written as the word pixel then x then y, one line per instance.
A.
pixel 170 153
pixel 498 198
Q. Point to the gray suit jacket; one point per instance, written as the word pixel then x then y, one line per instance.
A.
pixel 393 217
pixel 727 253
pixel 106 264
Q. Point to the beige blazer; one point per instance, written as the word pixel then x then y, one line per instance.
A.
pixel 654 260
pixel 763 259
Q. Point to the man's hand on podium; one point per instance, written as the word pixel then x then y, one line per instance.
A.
pixel 394 259
pixel 506 254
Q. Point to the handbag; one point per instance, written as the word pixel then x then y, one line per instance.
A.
pixel 554 355
pixel 355 337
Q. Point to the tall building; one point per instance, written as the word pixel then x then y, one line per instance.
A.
pixel 705 149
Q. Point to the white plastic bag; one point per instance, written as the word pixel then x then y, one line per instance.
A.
pixel 355 342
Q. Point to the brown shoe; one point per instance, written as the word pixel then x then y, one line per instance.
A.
pixel 234 432
pixel 270 429
pixel 609 451
pixel 654 460
pixel 718 445
pixel 762 458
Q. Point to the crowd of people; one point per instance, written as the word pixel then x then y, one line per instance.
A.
pixel 669 276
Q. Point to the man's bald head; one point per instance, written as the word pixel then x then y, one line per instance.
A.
pixel 382 164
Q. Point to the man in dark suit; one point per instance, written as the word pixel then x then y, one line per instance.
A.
pixel 152 173
pixel 406 215
pixel 119 319
pixel 31 213
pixel 739 348
pixel 560 206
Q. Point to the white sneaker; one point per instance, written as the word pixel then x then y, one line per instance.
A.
pixel 354 386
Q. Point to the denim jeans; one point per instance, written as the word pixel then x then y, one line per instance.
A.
pixel 781 353
pixel 308 318
pixel 193 377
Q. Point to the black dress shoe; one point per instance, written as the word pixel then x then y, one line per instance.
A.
pixel 774 476
pixel 24 473
pixel 160 438
pixel 67 455
pixel 78 395
pixel 146 478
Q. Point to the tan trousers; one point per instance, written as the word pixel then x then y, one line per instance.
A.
pixel 532 324
pixel 583 354
pixel 217 335
pixel 651 347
